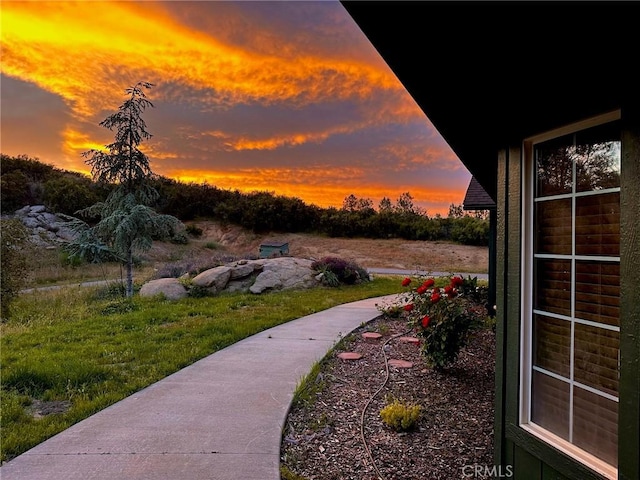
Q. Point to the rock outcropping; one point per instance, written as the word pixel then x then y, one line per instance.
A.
pixel 255 276
pixel 45 228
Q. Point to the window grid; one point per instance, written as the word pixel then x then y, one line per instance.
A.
pixel 572 319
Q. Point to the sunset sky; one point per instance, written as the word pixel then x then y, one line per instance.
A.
pixel 287 97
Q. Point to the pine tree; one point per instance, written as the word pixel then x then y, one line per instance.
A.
pixel 127 222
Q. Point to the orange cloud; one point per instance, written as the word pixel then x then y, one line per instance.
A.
pixel 60 47
pixel 87 52
pixel 75 141
pixel 240 143
pixel 420 153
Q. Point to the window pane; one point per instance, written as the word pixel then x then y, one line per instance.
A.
pixel 598 292
pixel 598 225
pixel 597 157
pixel 554 167
pixel 596 358
pixel 552 344
pixel 595 425
pixel 553 227
pixel 552 288
pixel 550 404
pixel 575 237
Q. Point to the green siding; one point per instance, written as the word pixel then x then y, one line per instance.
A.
pixel 508 301
pixel 549 473
pixel 513 275
pixel 503 453
pixel 526 466
pixel 629 407
pixel 508 458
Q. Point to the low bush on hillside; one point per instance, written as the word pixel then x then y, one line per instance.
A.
pixel 338 271
pixel 13 258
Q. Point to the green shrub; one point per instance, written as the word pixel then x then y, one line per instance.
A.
pixel 179 238
pixel 124 305
pixel 70 260
pixel 194 230
pixel 346 271
pixel 196 291
pixel 13 262
pixel 286 474
pixel 68 194
pixel 14 190
pixel 470 231
pixel 400 416
pixel 330 279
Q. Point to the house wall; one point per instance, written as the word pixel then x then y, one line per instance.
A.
pixel 518 454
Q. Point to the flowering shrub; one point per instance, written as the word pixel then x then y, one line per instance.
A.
pixel 338 270
pixel 444 317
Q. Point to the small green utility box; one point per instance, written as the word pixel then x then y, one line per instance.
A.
pixel 273 249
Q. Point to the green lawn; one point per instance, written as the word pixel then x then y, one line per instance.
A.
pixel 88 348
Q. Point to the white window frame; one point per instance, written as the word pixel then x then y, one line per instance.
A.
pixel 526 337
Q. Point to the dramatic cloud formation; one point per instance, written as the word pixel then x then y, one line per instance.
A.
pixel 288 97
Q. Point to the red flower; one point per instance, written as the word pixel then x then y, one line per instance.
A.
pixel 435 297
pixel 421 289
pixel 408 307
pixel 429 283
pixel 450 291
pixel 406 281
pixel 425 321
pixel 457 281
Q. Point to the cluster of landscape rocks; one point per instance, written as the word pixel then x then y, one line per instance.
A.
pixel 45 228
pixel 255 276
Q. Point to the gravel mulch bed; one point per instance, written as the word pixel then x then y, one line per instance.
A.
pixel 339 434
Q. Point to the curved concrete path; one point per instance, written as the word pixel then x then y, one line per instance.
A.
pixel 218 419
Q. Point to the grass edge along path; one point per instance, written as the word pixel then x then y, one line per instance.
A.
pixel 81 349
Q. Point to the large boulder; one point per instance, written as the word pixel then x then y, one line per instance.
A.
pixel 283 273
pixel 268 280
pixel 255 276
pixel 214 279
pixel 170 288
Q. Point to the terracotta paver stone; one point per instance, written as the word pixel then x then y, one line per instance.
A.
pixel 371 336
pixel 414 340
pixel 350 356
pixel 396 362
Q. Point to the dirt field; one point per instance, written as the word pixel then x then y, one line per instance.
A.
pixel 391 253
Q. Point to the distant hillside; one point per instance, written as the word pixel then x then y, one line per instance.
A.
pixel 28 181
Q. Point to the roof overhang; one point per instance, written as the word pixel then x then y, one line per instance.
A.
pixel 489 74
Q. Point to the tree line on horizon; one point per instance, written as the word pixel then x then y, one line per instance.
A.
pixel 28 181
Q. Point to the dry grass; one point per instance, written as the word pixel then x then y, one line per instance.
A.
pixel 220 243
pixel 387 253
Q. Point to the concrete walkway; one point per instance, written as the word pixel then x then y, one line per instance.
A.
pixel 218 419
